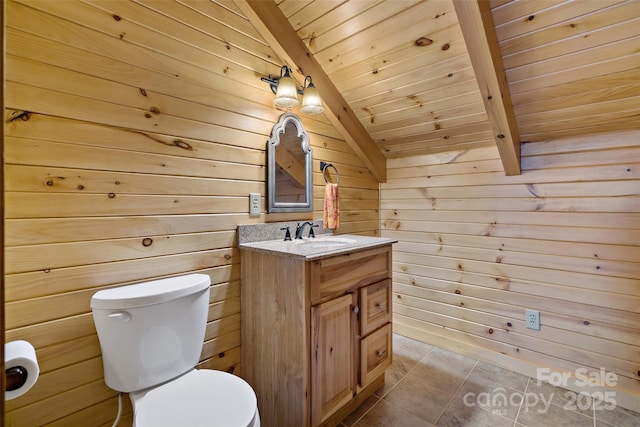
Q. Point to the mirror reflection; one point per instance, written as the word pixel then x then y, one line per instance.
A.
pixel 289 160
pixel 290 177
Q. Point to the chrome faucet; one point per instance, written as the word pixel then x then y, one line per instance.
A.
pixel 300 229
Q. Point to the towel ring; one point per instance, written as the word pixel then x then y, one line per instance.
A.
pixel 323 168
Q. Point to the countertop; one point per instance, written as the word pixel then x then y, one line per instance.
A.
pixel 310 249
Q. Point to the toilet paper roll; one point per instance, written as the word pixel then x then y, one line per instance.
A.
pixel 21 366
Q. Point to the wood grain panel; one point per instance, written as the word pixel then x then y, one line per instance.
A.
pixel 282 384
pixel 515 277
pixel 59 255
pixel 579 237
pixel 59 380
pixel 332 348
pixel 42 205
pixel 60 130
pixel 472 256
pixel 615 220
pixel 81 108
pixel 148 49
pixel 619 92
pixel 508 304
pixel 382 71
pixel 342 30
pixel 577 54
pixel 132 160
pixel 40 179
pixel 375 306
pixel 375 354
pixel 60 230
pixel 442 80
pixel 588 22
pixel 321 22
pixel 561 58
pixel 605 36
pixel 336 275
pixel 480 323
pixel 379 77
pixel 587 204
pixel 597 266
pixel 100 413
pixel 55 332
pixel 48 281
pixel 66 81
pixel 227 361
pixel 521 18
pixel 71 401
pixel 618 188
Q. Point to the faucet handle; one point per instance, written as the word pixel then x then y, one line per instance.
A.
pixel 287 235
pixel 311 233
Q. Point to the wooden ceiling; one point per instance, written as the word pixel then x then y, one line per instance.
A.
pixel 407 77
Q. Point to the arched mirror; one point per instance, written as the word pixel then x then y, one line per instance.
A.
pixel 289 167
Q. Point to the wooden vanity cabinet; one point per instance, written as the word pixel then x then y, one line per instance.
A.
pixel 316 334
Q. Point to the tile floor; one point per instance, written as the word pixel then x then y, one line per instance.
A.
pixel 428 386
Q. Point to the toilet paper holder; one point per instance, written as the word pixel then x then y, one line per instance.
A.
pixel 16 377
pixel 21 368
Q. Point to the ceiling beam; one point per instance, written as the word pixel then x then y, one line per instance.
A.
pixel 480 37
pixel 271 23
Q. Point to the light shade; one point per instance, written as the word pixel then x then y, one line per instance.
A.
pixel 287 93
pixel 311 102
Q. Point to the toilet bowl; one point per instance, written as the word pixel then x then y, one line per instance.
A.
pixel 198 398
pixel 151 336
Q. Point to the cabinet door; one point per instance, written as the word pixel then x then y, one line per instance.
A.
pixel 333 374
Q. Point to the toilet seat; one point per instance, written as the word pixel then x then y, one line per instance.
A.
pixel 199 398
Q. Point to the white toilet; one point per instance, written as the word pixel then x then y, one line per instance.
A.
pixel 151 335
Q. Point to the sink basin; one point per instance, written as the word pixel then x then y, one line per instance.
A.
pixel 327 242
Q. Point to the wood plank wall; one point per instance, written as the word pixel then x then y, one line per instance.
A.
pixel 2 340
pixel 135 131
pixel 476 248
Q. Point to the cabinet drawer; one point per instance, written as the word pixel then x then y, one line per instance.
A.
pixel 375 306
pixel 375 354
pixel 333 276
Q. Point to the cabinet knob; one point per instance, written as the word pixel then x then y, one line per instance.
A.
pixel 379 353
pixel 378 305
pixel 356 309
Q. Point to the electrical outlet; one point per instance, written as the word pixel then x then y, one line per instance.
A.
pixel 254 204
pixel 532 319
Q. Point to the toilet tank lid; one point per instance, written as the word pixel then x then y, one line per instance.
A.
pixel 149 293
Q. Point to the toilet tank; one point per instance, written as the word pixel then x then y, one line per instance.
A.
pixel 151 332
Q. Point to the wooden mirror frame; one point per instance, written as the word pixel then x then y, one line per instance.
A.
pixel 273 205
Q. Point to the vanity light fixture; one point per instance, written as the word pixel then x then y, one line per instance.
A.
pixel 287 92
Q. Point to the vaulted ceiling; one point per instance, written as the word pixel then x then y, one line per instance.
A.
pixel 408 77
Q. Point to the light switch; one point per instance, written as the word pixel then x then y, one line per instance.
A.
pixel 254 204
